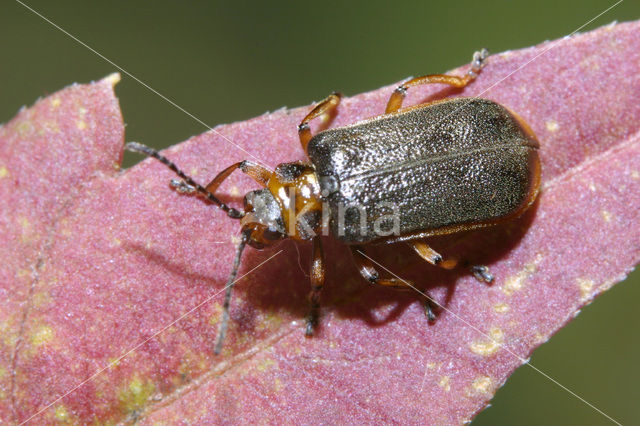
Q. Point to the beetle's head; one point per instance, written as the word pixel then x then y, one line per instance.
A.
pixel 263 216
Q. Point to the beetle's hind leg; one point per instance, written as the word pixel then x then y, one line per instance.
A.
pixel 371 274
pixel 397 97
pixel 480 272
pixel 432 256
pixel 329 104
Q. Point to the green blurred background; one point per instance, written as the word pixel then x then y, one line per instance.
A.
pixel 229 61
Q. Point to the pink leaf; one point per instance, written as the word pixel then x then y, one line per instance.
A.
pixel 99 263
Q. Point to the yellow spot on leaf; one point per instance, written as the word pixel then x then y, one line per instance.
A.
pixel 135 395
pixel 501 308
pixel 81 125
pixel 42 336
pixel 482 384
pixel 277 385
pixel 55 102
pixel 215 318
pixel 516 282
pixel 4 172
pixel 539 338
pixel 431 365
pixel 24 222
pixel 586 286
pixel 40 299
pixel 24 128
pixel 592 187
pixel 61 413
pixel 27 230
pixel 635 175
pixel 491 345
pixel 265 365
pixel 445 383
pixel 235 191
pixel 552 125
pixel 606 215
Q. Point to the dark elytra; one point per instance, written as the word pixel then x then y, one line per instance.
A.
pixel 462 161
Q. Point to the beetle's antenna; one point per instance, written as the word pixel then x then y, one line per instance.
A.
pixel 143 149
pixel 227 296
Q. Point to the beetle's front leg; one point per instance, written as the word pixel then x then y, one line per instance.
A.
pixel 329 104
pixel 258 173
pixel 370 273
pixel 317 283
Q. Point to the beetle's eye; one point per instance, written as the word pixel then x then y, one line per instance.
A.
pixel 271 234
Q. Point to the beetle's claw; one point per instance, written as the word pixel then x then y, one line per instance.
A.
pixel 482 273
pixel 311 326
pixel 429 307
pixel 182 187
pixel 478 62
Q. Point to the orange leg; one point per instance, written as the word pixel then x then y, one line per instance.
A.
pixel 396 98
pixel 254 170
pixel 432 256
pixel 329 104
pixel 480 272
pixel 317 283
pixel 369 273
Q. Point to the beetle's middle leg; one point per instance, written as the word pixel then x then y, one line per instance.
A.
pixel 317 283
pixel 330 103
pixel 370 273
pixel 396 98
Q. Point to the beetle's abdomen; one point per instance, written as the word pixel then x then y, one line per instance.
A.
pixel 458 163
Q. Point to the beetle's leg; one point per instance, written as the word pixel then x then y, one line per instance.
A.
pixel 189 183
pixel 255 171
pixel 368 271
pixel 260 174
pixel 432 256
pixel 396 98
pixel 327 105
pixel 482 273
pixel 317 282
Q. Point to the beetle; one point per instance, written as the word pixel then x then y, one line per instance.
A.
pixel 442 167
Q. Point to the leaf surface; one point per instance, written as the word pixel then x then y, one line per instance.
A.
pixel 102 269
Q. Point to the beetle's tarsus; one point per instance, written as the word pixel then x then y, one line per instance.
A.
pixel 482 273
pixel 429 307
pixel 478 62
pixel 182 187
pixel 311 326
